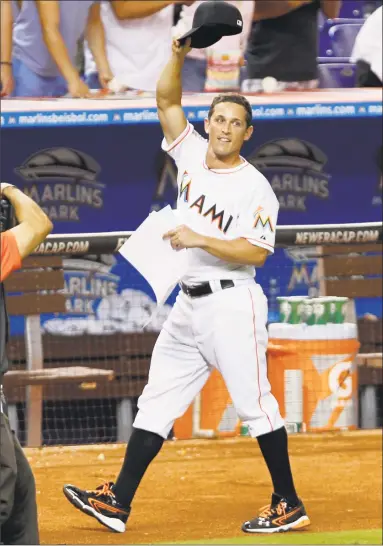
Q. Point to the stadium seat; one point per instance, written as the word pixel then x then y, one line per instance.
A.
pixel 351 8
pixel 354 9
pixel 334 75
pixel 343 38
pixel 332 60
pixel 321 20
pixel 326 35
pixel 325 45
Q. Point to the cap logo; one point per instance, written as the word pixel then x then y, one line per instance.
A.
pixel 239 22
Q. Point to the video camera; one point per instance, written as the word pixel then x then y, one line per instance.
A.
pixel 6 214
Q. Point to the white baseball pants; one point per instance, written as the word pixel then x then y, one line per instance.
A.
pixel 225 330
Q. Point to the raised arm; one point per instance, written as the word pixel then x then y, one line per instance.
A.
pixel 34 224
pixel 169 94
pixel 95 35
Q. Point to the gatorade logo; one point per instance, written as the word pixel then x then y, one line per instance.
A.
pixel 317 309
pixel 340 381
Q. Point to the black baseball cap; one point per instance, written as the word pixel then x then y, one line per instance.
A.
pixel 212 20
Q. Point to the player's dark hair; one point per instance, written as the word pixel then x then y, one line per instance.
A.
pixel 237 99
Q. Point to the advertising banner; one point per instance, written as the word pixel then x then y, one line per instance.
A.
pixel 324 171
pixel 108 178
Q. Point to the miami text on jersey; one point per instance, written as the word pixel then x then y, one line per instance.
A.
pixel 185 187
pixel 199 205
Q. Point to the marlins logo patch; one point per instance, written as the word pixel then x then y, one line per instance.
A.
pixel 261 220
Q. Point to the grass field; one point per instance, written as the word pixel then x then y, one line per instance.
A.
pixel 371 536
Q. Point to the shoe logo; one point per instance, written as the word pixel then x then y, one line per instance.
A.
pixel 98 506
pixel 282 519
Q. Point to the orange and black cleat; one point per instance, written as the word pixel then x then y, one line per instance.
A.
pixel 278 517
pixel 100 504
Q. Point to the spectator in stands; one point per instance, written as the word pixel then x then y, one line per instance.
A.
pixel 216 68
pixel 18 513
pixel 138 42
pixel 44 46
pixel 283 43
pixel 367 52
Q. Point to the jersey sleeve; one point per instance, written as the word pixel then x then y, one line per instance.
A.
pixel 189 146
pixel 258 222
pixel 10 255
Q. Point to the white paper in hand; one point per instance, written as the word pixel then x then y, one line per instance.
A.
pixel 153 257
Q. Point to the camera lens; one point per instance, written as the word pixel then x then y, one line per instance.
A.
pixel 5 214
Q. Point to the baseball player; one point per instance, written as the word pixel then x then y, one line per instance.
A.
pixel 219 318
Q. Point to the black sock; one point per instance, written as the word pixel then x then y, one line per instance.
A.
pixel 274 450
pixel 143 446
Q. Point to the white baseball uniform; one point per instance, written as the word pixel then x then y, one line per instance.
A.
pixel 227 328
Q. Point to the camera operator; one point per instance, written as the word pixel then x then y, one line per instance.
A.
pixel 18 511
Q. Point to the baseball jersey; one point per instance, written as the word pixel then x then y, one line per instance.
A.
pixel 223 203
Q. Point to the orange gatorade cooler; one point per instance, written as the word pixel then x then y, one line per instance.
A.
pixel 323 389
pixel 211 415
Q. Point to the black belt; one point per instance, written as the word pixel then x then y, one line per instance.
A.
pixel 204 289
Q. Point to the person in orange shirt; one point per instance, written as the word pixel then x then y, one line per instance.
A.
pixel 10 255
pixel 18 242
pixel 18 514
